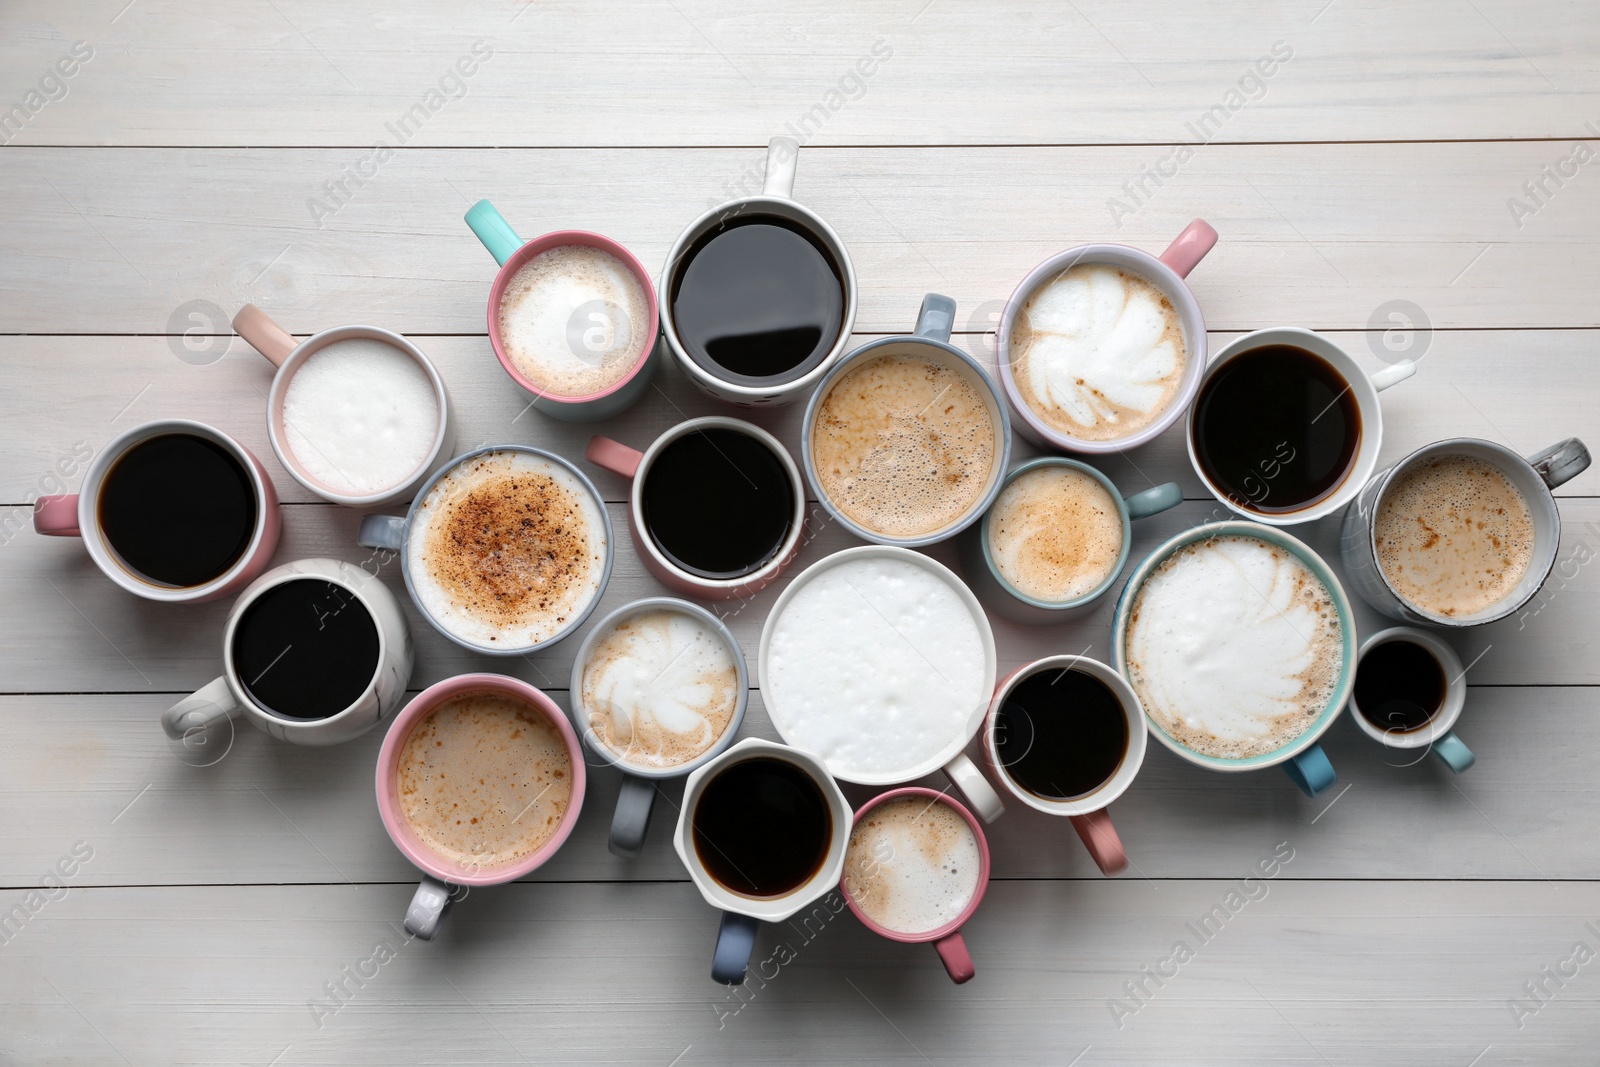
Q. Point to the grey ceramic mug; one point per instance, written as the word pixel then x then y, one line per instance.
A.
pixel 631 819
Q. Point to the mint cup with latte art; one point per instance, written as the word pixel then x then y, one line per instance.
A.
pixel 1241 645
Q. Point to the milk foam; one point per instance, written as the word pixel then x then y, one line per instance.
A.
pixel 1098 353
pixel 660 688
pixel 912 865
pixel 574 320
pixel 904 445
pixel 484 780
pixel 360 416
pixel 507 549
pixel 1234 647
pixel 876 665
pixel 1055 533
pixel 1454 536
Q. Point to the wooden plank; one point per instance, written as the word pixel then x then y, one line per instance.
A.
pixel 673 73
pixel 1307 973
pixel 1314 235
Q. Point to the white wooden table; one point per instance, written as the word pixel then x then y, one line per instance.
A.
pixel 170 179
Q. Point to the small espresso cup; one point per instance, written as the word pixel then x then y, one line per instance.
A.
pixel 1437 733
pixel 929 340
pixel 443 876
pixel 975 546
pixel 323 614
pixel 1250 497
pixel 591 328
pixel 861 871
pixel 776 202
pixel 1167 273
pixel 289 356
pixel 1088 811
pixel 632 816
pixel 395 534
pixel 730 494
pixel 743 912
pixel 1533 478
pixel 184 511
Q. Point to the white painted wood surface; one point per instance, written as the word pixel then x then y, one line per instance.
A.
pixel 172 177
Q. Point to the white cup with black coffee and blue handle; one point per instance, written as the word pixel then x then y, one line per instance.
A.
pixel 631 819
pixel 314 652
pixel 1390 720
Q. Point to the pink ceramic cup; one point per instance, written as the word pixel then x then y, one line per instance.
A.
pixel 441 875
pixel 947 939
pixel 635 465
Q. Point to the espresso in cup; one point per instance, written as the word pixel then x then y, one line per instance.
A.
pixel 913 865
pixel 1400 686
pixel 1055 533
pixel 762 827
pixel 1061 734
pixel 306 649
pixel 1097 352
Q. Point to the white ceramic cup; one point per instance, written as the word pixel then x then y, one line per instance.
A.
pixel 1437 735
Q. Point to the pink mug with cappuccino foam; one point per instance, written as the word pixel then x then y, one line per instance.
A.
pixel 871 864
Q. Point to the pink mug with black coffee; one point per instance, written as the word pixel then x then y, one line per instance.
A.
pixel 915 871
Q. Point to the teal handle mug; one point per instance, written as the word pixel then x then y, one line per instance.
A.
pixel 1401 713
pixel 573 318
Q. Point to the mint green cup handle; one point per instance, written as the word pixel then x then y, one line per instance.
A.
pixel 493 230
pixel 1457 756
pixel 1311 770
pixel 1154 501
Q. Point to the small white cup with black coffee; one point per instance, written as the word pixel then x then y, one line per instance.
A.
pixel 1410 689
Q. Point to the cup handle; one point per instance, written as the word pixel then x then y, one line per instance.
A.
pixel 56 516
pixel 193 720
pixel 975 787
pixel 632 817
pixel 427 908
pixel 936 317
pixel 782 156
pixel 1561 462
pixel 614 456
pixel 381 531
pixel 952 949
pixel 493 230
pixel 1189 247
pixel 264 334
pixel 736 939
pixel 1456 755
pixel 1311 770
pixel 1392 375
pixel 1154 501
pixel 1102 841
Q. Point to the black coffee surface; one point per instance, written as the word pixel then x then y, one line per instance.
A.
pixel 306 649
pixel 178 509
pixel 1277 429
pixel 758 300
pixel 718 503
pixel 762 827
pixel 1061 734
pixel 1400 686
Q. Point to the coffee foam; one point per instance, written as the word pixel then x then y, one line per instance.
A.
pixel 1055 533
pixel 507 549
pixel 876 665
pixel 555 339
pixel 1454 536
pixel 484 780
pixel 904 445
pixel 360 416
pixel 1097 352
pixel 660 688
pixel 912 865
pixel 1234 647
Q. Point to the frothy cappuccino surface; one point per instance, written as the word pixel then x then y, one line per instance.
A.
pixel 660 688
pixel 876 665
pixel 1454 536
pixel 912 865
pixel 573 319
pixel 1234 647
pixel 507 549
pixel 904 445
pixel 484 780
pixel 1055 533
pixel 1097 352
pixel 360 416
